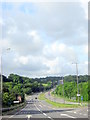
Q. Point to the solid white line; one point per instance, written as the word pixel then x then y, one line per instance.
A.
pixel 37 108
pixel 67 115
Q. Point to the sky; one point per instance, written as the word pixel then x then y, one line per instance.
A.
pixel 44 38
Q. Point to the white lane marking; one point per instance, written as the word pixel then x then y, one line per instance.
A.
pixel 87 110
pixel 75 112
pixel 49 117
pixel 40 106
pixel 11 116
pixel 67 115
pixel 15 114
pixel 29 116
pixel 80 113
pixel 84 114
pixel 44 114
pixel 37 108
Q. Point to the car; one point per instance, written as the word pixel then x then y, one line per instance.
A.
pixel 35 97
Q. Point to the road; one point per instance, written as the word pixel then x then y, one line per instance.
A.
pixel 36 109
pixel 59 100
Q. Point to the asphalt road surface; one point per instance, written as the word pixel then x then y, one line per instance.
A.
pixel 36 109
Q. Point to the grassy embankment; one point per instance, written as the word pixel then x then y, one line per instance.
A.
pixel 55 104
pixel 67 99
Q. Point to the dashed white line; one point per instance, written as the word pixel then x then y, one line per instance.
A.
pixel 49 117
pixel 44 114
pixel 29 116
pixel 11 116
pixel 67 115
pixel 37 108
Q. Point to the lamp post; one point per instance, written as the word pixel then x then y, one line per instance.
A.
pixel 2 52
pixel 77 80
pixel 63 89
pixel 1 66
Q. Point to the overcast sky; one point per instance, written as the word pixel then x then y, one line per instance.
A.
pixel 45 38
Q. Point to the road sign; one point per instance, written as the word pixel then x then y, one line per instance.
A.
pixel 15 101
pixel 78 95
pixel 19 98
pixel 82 98
pixel 61 81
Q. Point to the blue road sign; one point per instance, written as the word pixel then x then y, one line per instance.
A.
pixel 81 97
pixel 61 82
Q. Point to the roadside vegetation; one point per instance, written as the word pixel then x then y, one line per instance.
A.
pixel 70 91
pixel 16 85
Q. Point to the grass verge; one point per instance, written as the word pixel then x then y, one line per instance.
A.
pixel 69 100
pixel 55 104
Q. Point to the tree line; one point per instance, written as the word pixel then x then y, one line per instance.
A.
pixel 15 85
pixel 70 87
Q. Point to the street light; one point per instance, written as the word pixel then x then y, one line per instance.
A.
pixel 77 79
pixel 1 66
pixel 1 76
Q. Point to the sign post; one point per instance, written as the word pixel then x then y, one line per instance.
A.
pixel 81 99
pixel 62 82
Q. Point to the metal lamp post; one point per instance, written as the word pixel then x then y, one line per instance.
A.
pixel 2 80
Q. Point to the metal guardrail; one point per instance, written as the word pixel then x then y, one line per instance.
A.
pixel 13 107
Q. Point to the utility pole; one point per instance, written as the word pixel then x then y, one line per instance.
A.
pixel 77 80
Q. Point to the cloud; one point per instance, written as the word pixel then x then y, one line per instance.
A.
pixel 44 37
pixel 57 49
pixel 84 4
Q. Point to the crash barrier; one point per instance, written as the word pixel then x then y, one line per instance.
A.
pixel 13 107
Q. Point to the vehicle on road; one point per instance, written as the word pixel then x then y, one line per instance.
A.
pixel 35 97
